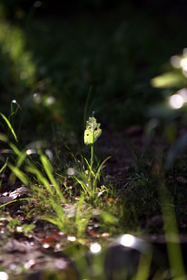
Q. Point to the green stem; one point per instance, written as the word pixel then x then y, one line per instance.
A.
pixel 91 164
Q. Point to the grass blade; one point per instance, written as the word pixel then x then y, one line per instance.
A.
pixel 98 171
pixel 48 169
pixel 23 178
pixel 10 126
pixel 171 230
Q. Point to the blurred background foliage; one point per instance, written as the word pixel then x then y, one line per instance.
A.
pixel 53 52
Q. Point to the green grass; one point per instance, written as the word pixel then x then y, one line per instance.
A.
pixel 69 200
pixel 57 75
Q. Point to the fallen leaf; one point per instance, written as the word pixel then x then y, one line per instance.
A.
pixel 93 233
pixel 6 197
pixel 108 199
pixel 49 239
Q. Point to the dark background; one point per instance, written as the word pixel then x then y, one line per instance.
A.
pixel 62 49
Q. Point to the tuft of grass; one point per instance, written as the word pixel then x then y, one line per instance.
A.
pixel 50 193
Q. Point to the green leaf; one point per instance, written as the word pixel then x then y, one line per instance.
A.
pixel 92 132
pixel 3 137
pixel 23 178
pixel 10 126
pixel 98 171
pixel 168 80
pixel 108 218
pixel 4 166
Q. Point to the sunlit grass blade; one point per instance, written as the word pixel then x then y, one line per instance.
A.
pixel 10 126
pixel 60 219
pixel 15 149
pixel 82 184
pixel 21 158
pixel 23 178
pixel 48 169
pixel 171 232
pixel 4 166
pixel 89 166
pixel 37 190
pixel 32 169
pixel 51 220
pixel 3 137
pixel 80 220
pixel 144 267
pixel 98 171
pixel 12 201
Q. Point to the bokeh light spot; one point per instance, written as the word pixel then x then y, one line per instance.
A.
pixel 183 62
pixel 3 275
pixel 183 93
pixel 176 101
pixel 51 100
pixel 184 71
pixel 71 238
pixel 49 154
pixel 175 61
pixel 37 97
pixel 71 171
pixel 46 245
pixel 95 248
pixel 127 240
pixel 185 52
pixel 31 151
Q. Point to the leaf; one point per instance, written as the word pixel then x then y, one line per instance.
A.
pixel 92 132
pixel 10 126
pixel 3 137
pixel 98 171
pixel 13 195
pixel 4 166
pixel 23 178
pixel 49 239
pixel 168 80
pixel 93 233
pixel 49 169
pixel 108 218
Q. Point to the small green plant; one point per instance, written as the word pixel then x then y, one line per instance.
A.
pixel 91 134
pixel 47 191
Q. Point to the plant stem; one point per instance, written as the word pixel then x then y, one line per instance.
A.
pixel 91 165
